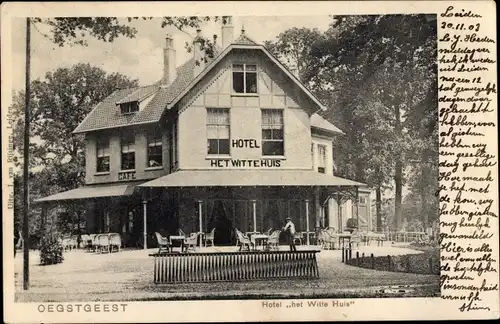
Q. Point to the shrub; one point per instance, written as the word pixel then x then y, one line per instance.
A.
pixel 51 249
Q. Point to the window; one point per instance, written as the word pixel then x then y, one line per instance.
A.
pixel 217 131
pixel 102 155
pixel 272 132
pixel 245 78
pixel 321 158
pixel 362 200
pixel 155 150
pixel 129 107
pixel 128 152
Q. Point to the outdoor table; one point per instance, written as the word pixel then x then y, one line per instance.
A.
pixel 177 238
pixel 343 237
pixel 259 238
pixel 312 236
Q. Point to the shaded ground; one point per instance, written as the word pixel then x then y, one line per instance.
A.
pixel 128 275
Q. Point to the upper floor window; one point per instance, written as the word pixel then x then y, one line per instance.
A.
pixel 321 158
pixel 272 132
pixel 102 155
pixel 218 131
pixel 362 200
pixel 245 78
pixel 128 152
pixel 129 107
pixel 155 150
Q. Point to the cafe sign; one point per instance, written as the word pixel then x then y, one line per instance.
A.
pixel 128 175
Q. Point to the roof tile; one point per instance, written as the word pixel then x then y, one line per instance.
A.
pixel 107 113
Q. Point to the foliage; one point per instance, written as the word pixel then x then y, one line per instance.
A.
pixel 293 46
pixel 377 74
pixel 74 30
pixel 58 104
pixel 51 249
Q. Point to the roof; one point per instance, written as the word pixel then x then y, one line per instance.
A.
pixel 93 191
pixel 248 178
pixel 107 113
pixel 243 39
pixel 319 122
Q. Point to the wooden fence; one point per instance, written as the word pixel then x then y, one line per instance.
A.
pixel 422 263
pixel 234 266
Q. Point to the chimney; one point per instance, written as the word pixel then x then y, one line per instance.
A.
pixel 199 53
pixel 169 64
pixel 227 32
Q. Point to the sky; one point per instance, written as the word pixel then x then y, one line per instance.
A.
pixel 140 57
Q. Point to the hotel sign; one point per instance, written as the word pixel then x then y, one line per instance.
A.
pixel 245 163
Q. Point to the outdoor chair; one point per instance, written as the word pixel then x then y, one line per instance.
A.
pixel 274 240
pixel 103 243
pixel 269 231
pixel 210 237
pixel 191 242
pixel 73 241
pixel 163 243
pixel 298 237
pixel 115 242
pixel 355 239
pixel 66 243
pixel 243 240
pixel 330 239
pixel 85 241
pixel 95 242
pixel 181 233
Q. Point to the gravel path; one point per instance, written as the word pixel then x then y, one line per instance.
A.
pixel 128 276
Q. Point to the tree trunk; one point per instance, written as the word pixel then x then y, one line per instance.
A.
pixel 398 176
pixel 379 208
pixel 398 179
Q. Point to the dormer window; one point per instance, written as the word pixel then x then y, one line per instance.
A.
pixel 244 78
pixel 129 107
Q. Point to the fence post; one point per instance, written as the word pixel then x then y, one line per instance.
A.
pixel 343 251
pixel 372 264
pixel 350 251
pixel 357 258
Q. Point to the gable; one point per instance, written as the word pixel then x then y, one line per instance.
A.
pixel 275 88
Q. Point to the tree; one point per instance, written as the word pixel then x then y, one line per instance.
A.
pixel 58 104
pixel 292 47
pixel 75 30
pixel 384 61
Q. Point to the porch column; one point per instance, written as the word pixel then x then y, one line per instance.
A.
pixel 144 223
pixel 357 205
pixel 318 208
pixel 254 210
pixel 307 221
pixel 339 216
pixel 43 218
pixel 200 217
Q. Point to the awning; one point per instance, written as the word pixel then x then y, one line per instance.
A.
pixel 248 178
pixel 94 191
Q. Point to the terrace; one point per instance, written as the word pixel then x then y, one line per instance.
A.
pixel 128 276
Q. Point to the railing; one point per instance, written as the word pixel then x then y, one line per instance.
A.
pixel 234 266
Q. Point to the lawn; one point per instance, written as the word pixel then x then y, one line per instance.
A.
pixel 128 276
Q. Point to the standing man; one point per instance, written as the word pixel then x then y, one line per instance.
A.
pixel 290 233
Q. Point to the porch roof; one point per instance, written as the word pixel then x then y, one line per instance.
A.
pixel 248 178
pixel 93 191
